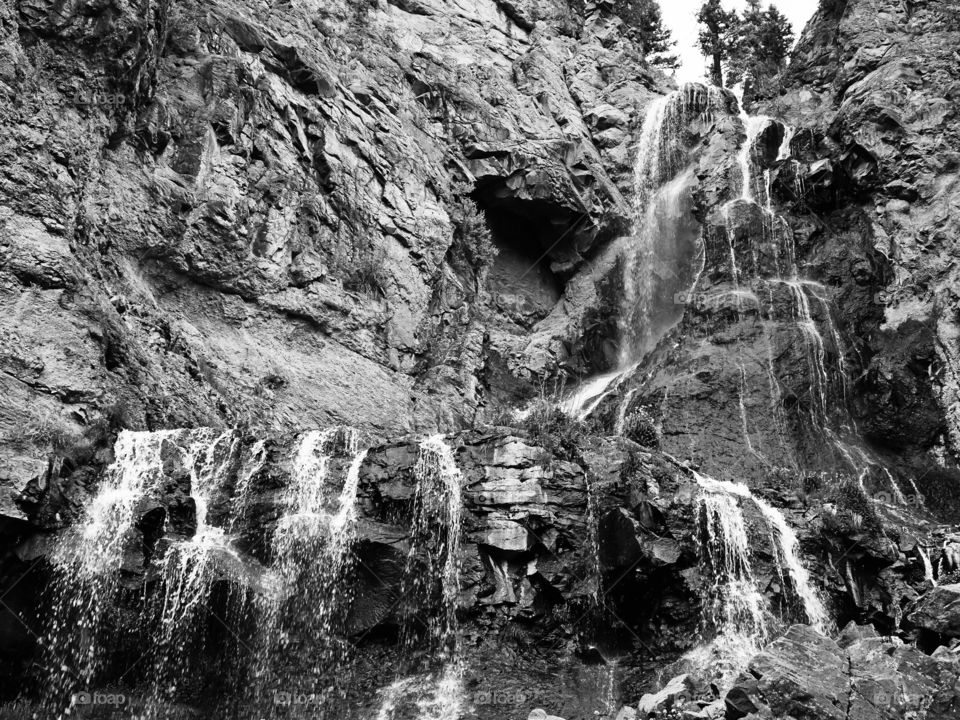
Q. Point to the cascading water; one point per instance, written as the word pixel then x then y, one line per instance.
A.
pixel 436 537
pixel 311 545
pixel 821 348
pixel 190 565
pixel 927 566
pixel 735 607
pixel 664 235
pixel 88 564
pixel 660 185
pixel 788 556
pixel 119 532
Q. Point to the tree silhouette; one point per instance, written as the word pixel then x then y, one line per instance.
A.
pixel 717 35
pixel 644 19
pixel 763 39
pixel 753 47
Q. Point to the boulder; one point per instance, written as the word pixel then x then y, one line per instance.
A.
pixel 806 676
pixel 939 611
pixel 676 693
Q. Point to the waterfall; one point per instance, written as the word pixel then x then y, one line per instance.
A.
pixel 660 222
pixel 831 420
pixel 736 608
pixel 439 484
pixel 435 537
pixel 611 697
pixel 190 565
pixel 927 565
pixel 658 188
pixel 125 522
pixel 785 151
pixel 788 554
pixel 815 348
pixel 752 125
pixel 300 618
pixel 305 523
pixel 240 502
pixel 87 564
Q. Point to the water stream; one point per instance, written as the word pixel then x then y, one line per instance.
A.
pixel 665 236
pixel 432 577
pixel 735 606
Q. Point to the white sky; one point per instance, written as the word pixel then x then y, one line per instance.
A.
pixel 681 17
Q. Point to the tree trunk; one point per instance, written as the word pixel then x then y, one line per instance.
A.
pixel 717 73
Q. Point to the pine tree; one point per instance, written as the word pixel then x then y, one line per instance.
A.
pixel 717 33
pixel 776 36
pixel 762 40
pixel 644 19
pixel 744 56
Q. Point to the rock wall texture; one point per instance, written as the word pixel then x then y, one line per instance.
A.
pixel 238 212
pixel 409 217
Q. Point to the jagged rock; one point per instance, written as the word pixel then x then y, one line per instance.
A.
pixel 939 611
pixel 504 535
pixel 675 693
pixel 211 215
pixel 805 675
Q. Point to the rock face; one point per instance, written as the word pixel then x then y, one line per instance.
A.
pixel 418 216
pixel 805 675
pixel 939 611
pixel 222 214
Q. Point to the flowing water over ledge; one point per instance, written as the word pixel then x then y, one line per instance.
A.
pixel 736 612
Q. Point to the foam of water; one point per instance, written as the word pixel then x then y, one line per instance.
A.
pixel 737 610
pixel 927 566
pixel 90 560
pixel 659 186
pixel 436 534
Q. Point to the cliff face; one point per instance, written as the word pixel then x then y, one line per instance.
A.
pixel 270 217
pixel 228 213
pixel 874 88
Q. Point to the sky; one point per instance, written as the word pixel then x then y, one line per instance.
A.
pixel 680 17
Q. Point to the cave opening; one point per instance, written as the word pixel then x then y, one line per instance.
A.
pixel 530 236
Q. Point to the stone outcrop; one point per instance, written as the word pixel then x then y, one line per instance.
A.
pixel 805 675
pixel 410 216
pixel 213 214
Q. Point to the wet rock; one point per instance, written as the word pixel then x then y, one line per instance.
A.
pixel 504 535
pixel 939 611
pixel 805 675
pixel 675 693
